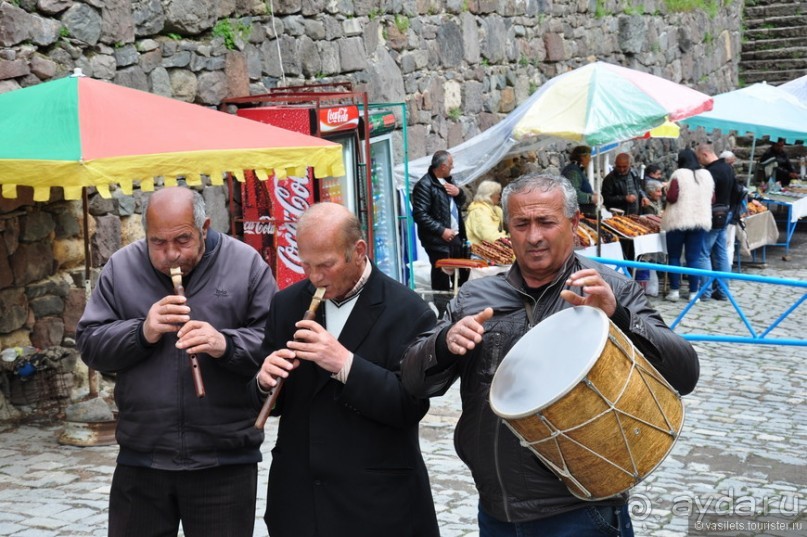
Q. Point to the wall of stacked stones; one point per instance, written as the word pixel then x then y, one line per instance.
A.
pixel 459 66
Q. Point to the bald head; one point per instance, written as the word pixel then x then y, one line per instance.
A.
pixel 329 241
pixel 174 200
pixel 176 228
pixel 622 164
pixel 706 153
pixel 332 220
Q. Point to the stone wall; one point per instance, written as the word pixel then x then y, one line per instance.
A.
pixel 459 65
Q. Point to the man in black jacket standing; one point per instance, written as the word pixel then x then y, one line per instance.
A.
pixel 436 207
pixel 622 189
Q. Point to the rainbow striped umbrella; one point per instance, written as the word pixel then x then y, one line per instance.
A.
pixel 602 103
pixel 77 132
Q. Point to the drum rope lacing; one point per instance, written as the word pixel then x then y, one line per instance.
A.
pixel 557 433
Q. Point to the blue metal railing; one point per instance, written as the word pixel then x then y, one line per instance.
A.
pixel 755 336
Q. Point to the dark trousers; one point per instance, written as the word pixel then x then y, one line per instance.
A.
pixel 215 502
pixel 442 281
pixel 590 521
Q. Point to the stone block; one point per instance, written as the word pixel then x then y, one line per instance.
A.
pixel 14 305
pixel 32 262
pixel 47 332
pixel 73 308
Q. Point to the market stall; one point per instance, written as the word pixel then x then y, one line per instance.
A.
pixel 757 231
pixel 794 202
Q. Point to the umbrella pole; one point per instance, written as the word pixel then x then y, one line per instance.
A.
pixel 751 159
pixel 599 200
pixel 92 378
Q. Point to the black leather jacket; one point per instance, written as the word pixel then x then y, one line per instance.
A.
pixel 431 210
pixel 513 485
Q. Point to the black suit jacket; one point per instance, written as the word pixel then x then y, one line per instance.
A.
pixel 347 460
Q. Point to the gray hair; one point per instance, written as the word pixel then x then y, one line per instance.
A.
pixel 199 215
pixel 486 190
pixel 728 155
pixel 546 183
pixel 652 186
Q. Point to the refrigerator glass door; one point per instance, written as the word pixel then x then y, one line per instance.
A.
pixel 342 189
pixel 386 248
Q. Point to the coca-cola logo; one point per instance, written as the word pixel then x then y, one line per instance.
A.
pixel 339 118
pixel 264 226
pixel 292 194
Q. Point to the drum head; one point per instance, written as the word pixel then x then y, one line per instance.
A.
pixel 548 361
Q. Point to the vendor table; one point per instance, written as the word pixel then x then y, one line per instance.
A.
pixel 611 250
pixel 760 231
pixel 652 243
pixel 796 209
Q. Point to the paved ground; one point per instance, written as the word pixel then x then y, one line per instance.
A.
pixel 741 452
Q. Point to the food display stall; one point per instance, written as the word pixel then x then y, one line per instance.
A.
pixel 757 230
pixel 794 200
pixel 639 235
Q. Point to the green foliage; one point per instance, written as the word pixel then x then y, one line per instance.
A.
pixel 64 32
pixel 454 113
pixel 175 37
pixel 230 33
pixel 402 23
pixel 523 61
pixel 485 62
pixel 464 7
pixel 711 7
pixel 374 14
pixel 601 11
pixel 708 38
pixel 533 87
pixel 630 9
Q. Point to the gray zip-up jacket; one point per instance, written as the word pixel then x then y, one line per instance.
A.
pixel 513 485
pixel 161 422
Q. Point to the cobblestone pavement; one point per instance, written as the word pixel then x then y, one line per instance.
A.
pixel 741 451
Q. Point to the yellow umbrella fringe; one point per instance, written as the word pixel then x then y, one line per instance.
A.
pixel 72 192
pixel 217 178
pixel 280 173
pixel 127 187
pixel 194 180
pixel 10 191
pixel 147 185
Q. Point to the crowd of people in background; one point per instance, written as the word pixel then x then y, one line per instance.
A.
pixel 697 206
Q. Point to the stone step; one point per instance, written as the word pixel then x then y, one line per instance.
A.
pixel 777 22
pixel 776 77
pixel 754 34
pixel 784 64
pixel 782 53
pixel 773 44
pixel 773 10
pixel 769 3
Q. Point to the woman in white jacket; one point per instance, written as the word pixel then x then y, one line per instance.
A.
pixel 686 219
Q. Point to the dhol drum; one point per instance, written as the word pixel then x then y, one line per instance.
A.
pixel 576 392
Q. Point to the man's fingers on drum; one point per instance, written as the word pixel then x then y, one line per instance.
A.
pixel 572 298
pixel 483 315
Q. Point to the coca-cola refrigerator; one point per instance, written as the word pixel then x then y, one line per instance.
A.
pixel 271 208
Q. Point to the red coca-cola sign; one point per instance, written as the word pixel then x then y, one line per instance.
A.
pixel 290 198
pixel 338 118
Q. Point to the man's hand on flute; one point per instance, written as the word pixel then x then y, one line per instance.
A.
pixel 166 315
pixel 277 365
pixel 314 343
pixel 200 337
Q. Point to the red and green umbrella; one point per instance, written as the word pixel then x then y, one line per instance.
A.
pixel 602 103
pixel 77 132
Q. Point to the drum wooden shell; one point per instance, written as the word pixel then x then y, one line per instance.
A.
pixel 611 429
